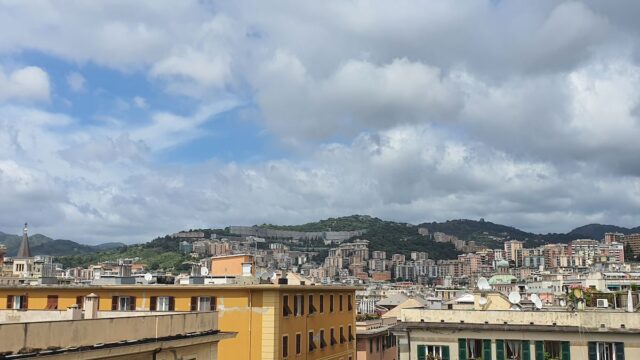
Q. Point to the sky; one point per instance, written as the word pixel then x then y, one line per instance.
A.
pixel 126 120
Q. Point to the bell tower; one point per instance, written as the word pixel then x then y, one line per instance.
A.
pixel 24 251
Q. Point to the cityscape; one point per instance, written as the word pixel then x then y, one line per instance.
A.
pixel 335 180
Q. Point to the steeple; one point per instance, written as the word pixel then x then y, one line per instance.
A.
pixel 24 251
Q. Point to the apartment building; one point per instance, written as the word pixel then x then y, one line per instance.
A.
pixel 271 321
pixel 521 335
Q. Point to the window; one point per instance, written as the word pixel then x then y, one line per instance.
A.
pixel 378 343
pixel 52 302
pixel 123 303
pixel 298 343
pixel 332 337
pixel 349 304
pixel 323 344
pixel 312 345
pixel 340 305
pixel 606 351
pixel 285 346
pixel 370 345
pixel 513 349
pixel 80 301
pixel 203 303
pixel 312 308
pixel 18 302
pixel 351 338
pixel 286 310
pixel 474 348
pixel 342 338
pixel 162 303
pixel 321 303
pixel 433 352
pixel 298 305
pixel 331 303
pixel 553 349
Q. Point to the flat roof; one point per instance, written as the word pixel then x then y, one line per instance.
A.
pixel 186 287
pixel 507 327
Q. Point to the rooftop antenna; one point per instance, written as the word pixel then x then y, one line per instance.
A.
pixel 514 299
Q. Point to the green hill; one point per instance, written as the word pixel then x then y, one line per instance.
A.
pixel 43 245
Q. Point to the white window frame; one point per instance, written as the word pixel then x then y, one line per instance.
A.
pixel 604 344
pixel 124 303
pixel 162 303
pixel 18 300
pixel 435 350
pixel 206 301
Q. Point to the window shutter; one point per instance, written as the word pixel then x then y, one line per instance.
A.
pixel 212 303
pixel 9 301
pixel 539 350
pixel 172 303
pixel 153 303
pixel 114 303
pixel 486 349
pixel 462 349
pixel 619 351
pixel 301 304
pixel 194 303
pixel 445 353
pixel 25 302
pixel 566 350
pixel 80 301
pixel 499 349
pixel 132 304
pixel 526 350
pixel 422 351
pixel 593 351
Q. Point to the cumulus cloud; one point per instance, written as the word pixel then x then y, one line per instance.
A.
pixel 76 81
pixel 27 83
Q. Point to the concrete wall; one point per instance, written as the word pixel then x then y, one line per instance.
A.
pixel 63 334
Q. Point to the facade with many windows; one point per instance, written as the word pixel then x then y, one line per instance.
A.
pixel 271 321
pixel 517 335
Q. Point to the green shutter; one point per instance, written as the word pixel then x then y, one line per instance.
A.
pixel 422 351
pixel 593 352
pixel 526 350
pixel 462 349
pixel 499 349
pixel 566 350
pixel 486 349
pixel 445 353
pixel 619 351
pixel 540 350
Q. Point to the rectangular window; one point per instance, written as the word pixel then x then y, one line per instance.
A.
pixel 123 303
pixel 312 345
pixel 285 346
pixel 340 305
pixel 342 338
pixel 351 337
pixel 331 303
pixel 378 343
pixel 513 349
pixel 321 303
pixel 298 305
pixel 162 303
pixel 80 301
pixel 323 343
pixel 474 348
pixel 203 303
pixel 332 338
pixel 606 351
pixel 286 310
pixel 312 308
pixel 18 302
pixel 349 304
pixel 52 302
pixel 298 344
pixel 370 345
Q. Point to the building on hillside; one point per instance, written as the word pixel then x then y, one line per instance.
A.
pixel 633 242
pixel 374 341
pixel 613 237
pixel 511 249
pixel 233 265
pixel 271 321
pixel 524 335
pixel 53 334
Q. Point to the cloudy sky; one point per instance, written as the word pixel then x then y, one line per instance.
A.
pixel 123 120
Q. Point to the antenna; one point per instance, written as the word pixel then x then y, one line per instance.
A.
pixel 483 284
pixel 514 298
pixel 204 271
pixel 148 277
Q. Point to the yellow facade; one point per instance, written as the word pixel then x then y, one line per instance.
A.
pixel 255 312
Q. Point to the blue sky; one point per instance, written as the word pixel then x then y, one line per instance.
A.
pixel 122 121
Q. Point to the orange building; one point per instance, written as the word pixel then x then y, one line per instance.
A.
pixel 233 265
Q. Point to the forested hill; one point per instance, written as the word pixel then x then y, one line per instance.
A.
pixel 43 245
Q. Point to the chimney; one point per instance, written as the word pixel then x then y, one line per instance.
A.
pixel 91 302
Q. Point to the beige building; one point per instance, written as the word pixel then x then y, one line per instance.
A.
pixel 66 334
pixel 374 341
pixel 523 335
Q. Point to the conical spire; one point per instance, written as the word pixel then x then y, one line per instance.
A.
pixel 24 251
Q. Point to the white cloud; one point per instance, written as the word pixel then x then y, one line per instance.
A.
pixel 27 83
pixel 76 81
pixel 140 102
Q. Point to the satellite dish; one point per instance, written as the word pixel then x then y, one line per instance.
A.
pixel 514 297
pixel 563 303
pixel 536 301
pixel 148 277
pixel 483 284
pixel 482 301
pixel 204 271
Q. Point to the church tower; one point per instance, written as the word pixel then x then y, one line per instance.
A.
pixel 24 251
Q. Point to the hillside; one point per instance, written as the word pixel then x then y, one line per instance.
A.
pixel 597 231
pixel 43 245
pixel 345 223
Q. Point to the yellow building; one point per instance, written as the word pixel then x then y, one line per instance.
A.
pixel 271 321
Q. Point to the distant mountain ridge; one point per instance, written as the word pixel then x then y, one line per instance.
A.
pixel 597 231
pixel 43 245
